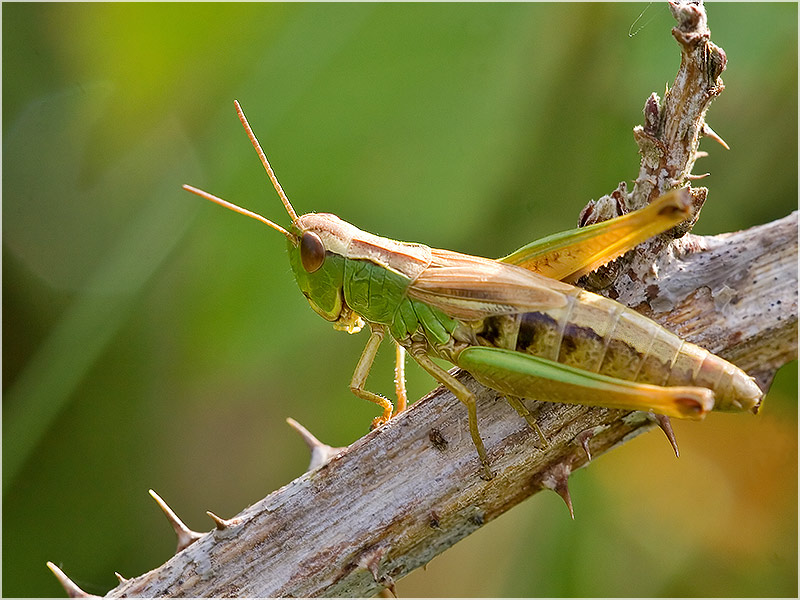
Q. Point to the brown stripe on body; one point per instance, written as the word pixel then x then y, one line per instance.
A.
pixel 539 335
pixel 500 331
pixel 590 333
pixel 601 336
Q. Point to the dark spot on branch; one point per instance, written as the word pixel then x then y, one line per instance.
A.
pixel 437 439
pixel 477 519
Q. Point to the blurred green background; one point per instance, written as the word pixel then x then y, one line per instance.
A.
pixel 151 339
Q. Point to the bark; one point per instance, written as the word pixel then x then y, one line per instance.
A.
pixel 404 493
pixel 399 496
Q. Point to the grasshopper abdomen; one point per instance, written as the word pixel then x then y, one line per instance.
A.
pixel 601 336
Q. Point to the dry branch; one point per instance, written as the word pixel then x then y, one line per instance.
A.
pixel 361 521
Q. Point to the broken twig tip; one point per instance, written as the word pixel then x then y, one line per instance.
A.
pixel 73 591
pixel 186 536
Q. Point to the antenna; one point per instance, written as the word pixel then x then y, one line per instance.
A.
pixel 240 210
pixel 243 211
pixel 265 162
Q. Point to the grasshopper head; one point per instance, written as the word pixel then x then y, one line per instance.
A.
pixel 317 256
pixel 317 248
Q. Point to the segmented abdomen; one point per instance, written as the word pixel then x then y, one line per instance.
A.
pixel 599 335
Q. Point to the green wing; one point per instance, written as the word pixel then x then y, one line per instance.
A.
pixel 569 255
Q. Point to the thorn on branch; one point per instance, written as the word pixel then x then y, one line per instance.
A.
pixel 73 591
pixel 220 523
pixel 186 537
pixel 583 439
pixel 371 560
pixel 320 453
pixel 557 480
pixel 710 133
pixel 666 426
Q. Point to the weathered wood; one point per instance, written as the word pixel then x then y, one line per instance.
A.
pixel 402 494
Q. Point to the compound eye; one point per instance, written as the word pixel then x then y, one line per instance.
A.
pixel 312 252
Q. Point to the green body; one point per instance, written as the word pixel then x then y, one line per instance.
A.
pixel 514 323
pixel 393 286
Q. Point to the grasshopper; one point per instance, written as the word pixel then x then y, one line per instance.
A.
pixel 516 324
